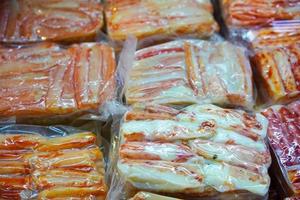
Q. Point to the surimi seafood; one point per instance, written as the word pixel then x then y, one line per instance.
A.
pixel 199 150
pixel 47 79
pixel 283 136
pixel 38 20
pixel 191 71
pixel 146 18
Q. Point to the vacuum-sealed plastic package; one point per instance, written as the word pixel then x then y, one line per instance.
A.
pixel 190 71
pixel 38 20
pixel 283 136
pixel 198 151
pixel 46 79
pixel 50 163
pixel 159 20
pixel 261 24
pixel 278 73
pixel 255 13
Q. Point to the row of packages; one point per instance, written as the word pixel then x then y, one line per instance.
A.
pixel 196 152
pixel 269 21
pixel 78 20
pixel 48 79
pixel 205 118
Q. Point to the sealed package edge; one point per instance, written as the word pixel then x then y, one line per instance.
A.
pixel 47 79
pixel 283 136
pixel 50 163
pixel 198 151
pixel 38 20
pixel 158 20
pixel 191 71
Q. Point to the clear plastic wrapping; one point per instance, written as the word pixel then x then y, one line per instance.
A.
pixel 283 136
pixel 275 58
pixel 50 163
pixel 262 23
pixel 257 13
pixel 36 20
pixel 190 71
pixel 159 20
pixel 278 73
pixel 198 151
pixel 47 79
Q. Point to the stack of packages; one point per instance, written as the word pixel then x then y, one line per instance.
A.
pixel 271 30
pixel 173 141
pixel 200 115
pixel 44 81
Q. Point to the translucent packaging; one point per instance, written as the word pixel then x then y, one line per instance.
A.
pixel 263 23
pixel 190 71
pixel 159 20
pixel 47 79
pixel 256 13
pixel 278 73
pixel 283 136
pixel 275 55
pixel 198 151
pixel 50 163
pixel 36 20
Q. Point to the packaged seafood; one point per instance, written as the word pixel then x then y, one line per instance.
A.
pixel 159 20
pixel 198 151
pixel 278 73
pixel 191 71
pixel 50 163
pixel 47 79
pixel 255 13
pixel 283 137
pixel 51 20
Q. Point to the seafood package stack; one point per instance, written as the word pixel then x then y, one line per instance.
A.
pixel 145 100
pixel 271 29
